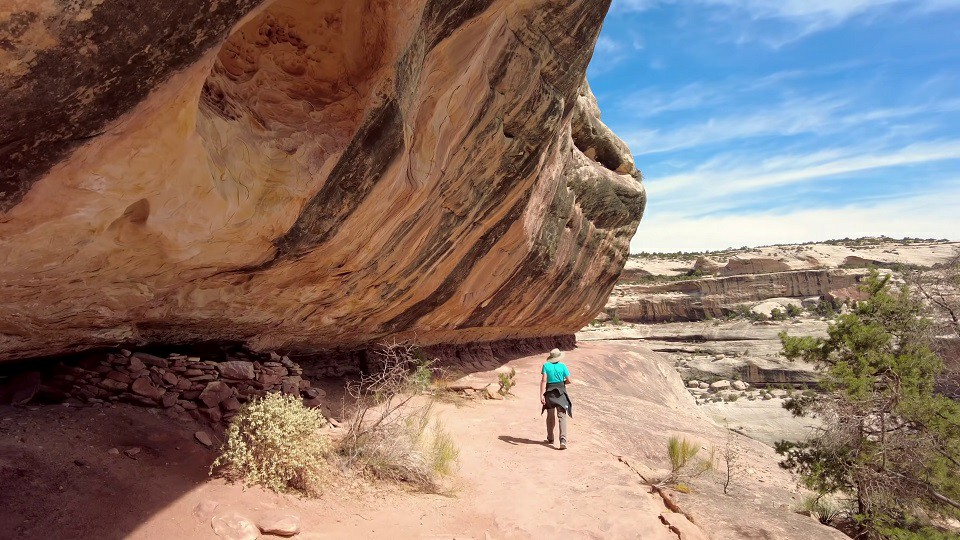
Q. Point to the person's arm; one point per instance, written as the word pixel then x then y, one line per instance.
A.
pixel 566 376
pixel 543 388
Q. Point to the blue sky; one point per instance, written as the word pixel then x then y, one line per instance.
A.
pixel 773 121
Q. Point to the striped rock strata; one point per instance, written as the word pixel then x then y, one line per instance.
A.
pixel 304 174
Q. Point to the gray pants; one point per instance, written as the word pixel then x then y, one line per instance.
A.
pixel 552 414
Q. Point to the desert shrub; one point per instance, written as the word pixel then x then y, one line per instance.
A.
pixel 683 460
pixel 391 435
pixel 889 443
pixel 733 397
pixel 506 383
pixel 275 442
pixel 823 509
pixel 794 311
pixel 731 456
pixel 826 308
pixel 778 315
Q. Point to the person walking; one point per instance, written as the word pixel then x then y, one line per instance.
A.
pixel 553 395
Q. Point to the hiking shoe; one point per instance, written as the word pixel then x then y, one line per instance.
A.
pixel 549 441
pixel 563 443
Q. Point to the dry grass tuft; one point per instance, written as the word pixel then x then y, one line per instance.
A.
pixel 391 435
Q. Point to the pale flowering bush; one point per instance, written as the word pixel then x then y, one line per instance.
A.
pixel 276 442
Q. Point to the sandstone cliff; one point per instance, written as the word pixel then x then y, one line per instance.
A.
pixel 692 287
pixel 700 299
pixel 304 174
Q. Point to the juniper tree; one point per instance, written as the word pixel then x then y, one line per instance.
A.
pixel 939 288
pixel 888 442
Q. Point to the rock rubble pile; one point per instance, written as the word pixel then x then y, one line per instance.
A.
pixel 204 389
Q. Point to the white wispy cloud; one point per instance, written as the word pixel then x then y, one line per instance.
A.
pixel 805 16
pixel 711 186
pixel 818 115
pixel 654 100
pixel 792 117
pixel 925 216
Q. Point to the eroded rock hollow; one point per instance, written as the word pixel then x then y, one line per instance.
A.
pixel 304 174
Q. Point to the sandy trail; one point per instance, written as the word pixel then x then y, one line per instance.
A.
pixel 510 484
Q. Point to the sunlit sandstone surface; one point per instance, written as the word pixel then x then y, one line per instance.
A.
pixel 304 175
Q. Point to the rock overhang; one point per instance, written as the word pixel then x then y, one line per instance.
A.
pixel 310 175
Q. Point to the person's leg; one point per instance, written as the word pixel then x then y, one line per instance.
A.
pixel 551 420
pixel 563 425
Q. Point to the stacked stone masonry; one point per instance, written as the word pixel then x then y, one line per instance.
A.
pixel 204 389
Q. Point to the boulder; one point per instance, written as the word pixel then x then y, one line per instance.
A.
pixel 230 404
pixel 236 369
pixel 114 385
pixel 119 377
pixel 145 387
pixel 492 391
pixel 212 414
pixel 205 509
pixel 170 378
pixel 136 365
pixel 290 385
pixel 233 526
pixel 187 405
pixel 169 399
pixel 720 385
pixel 203 438
pixel 151 360
pixel 739 385
pixel 312 393
pixel 269 380
pixel 694 384
pixel 214 393
pixel 279 524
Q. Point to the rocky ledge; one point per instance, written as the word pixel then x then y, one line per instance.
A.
pixel 304 175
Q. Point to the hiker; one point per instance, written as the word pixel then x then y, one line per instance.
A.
pixel 553 395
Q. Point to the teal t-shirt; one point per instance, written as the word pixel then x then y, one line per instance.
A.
pixel 555 372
